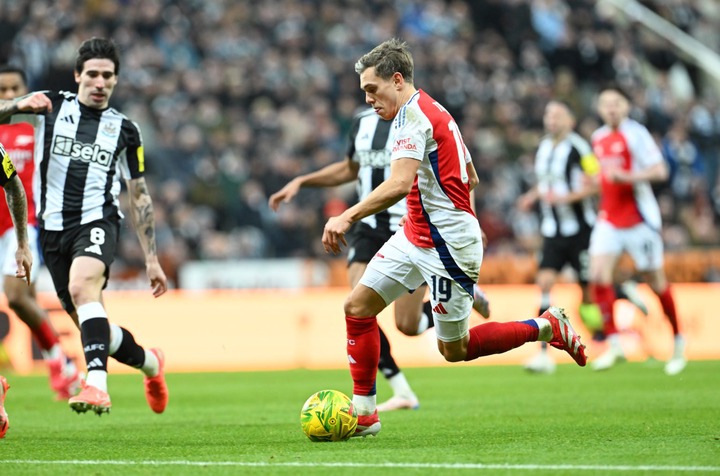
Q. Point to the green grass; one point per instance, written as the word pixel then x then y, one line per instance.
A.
pixel 497 420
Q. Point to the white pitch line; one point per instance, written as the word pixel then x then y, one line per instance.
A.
pixel 473 466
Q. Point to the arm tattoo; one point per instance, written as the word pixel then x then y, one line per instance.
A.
pixel 142 211
pixel 8 107
pixel 17 204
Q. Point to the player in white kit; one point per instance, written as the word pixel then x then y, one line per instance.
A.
pixel 440 243
pixel 629 219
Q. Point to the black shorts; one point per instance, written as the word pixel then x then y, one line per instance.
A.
pixel 364 242
pixel 572 250
pixel 97 239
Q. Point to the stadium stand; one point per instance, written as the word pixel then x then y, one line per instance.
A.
pixel 235 98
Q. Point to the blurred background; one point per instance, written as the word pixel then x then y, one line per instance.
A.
pixel 235 98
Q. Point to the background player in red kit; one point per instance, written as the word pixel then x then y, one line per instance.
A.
pixel 628 220
pixel 18 138
pixel 440 243
pixel 17 205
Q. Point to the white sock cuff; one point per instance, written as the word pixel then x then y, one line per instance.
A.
pixel 89 311
pixel 365 404
pixel 544 300
pixel 544 329
pixel 424 323
pixel 116 337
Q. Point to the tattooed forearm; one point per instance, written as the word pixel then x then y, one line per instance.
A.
pixel 143 217
pixel 17 204
pixel 7 109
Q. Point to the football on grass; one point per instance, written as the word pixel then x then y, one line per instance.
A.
pixel 328 415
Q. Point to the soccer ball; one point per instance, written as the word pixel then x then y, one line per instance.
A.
pixel 328 415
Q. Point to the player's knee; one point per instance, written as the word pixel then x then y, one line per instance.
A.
pixel 16 300
pixel 452 351
pixel 354 307
pixel 453 355
pixel 407 328
pixel 79 292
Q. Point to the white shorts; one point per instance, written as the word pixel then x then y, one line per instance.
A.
pixel 641 242
pixel 8 243
pixel 450 273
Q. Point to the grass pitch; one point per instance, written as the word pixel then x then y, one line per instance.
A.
pixel 473 420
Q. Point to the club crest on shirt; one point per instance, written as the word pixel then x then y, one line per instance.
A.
pixel 109 129
pixel 377 159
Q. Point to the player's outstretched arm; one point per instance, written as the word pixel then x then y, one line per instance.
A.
pixel 141 210
pixel 331 175
pixel 395 188
pixel 33 102
pixel 17 204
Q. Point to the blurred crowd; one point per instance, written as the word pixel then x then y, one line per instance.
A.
pixel 235 98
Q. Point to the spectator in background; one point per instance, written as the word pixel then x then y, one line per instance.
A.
pixel 686 169
pixel 263 62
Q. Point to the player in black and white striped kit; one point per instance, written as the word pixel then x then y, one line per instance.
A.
pixel 367 160
pixel 85 148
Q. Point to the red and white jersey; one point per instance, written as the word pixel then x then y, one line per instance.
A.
pixel 438 205
pixel 629 147
pixel 19 142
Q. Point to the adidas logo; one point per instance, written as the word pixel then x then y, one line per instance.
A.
pixel 439 309
pixel 94 249
pixel 351 360
pixel 68 118
pixel 96 362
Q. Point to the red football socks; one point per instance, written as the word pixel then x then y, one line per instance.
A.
pixel 668 305
pixel 499 337
pixel 363 350
pixel 45 336
pixel 604 297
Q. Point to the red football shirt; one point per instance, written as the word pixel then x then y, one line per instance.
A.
pixel 19 142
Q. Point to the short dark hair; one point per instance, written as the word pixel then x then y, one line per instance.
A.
pixel 564 104
pixel 392 56
pixel 97 48
pixel 618 89
pixel 10 69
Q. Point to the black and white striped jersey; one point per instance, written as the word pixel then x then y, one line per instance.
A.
pixel 560 168
pixel 84 153
pixel 369 146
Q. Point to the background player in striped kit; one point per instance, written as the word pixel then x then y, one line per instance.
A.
pixel 440 243
pixel 19 141
pixel 86 146
pixel 564 165
pixel 368 161
pixel 629 219
pixel 17 204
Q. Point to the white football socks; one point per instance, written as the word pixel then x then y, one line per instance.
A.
pixel 365 404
